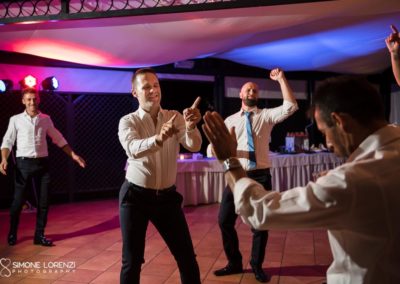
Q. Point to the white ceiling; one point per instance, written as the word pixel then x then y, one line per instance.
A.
pixel 345 36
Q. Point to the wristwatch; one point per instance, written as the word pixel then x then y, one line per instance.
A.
pixel 231 163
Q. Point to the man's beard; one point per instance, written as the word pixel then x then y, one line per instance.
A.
pixel 250 102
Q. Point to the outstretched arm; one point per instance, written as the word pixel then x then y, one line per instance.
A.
pixel 167 131
pixel 393 45
pixel 81 162
pixel 287 93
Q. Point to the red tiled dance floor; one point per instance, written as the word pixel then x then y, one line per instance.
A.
pixel 88 249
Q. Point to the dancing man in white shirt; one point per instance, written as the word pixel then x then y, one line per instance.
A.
pixel 253 128
pixel 150 137
pixel 29 129
pixel 357 202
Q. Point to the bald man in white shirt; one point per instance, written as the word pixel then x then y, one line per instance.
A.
pixel 151 137
pixel 357 202
pixel 29 130
pixel 256 124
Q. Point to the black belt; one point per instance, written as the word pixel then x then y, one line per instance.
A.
pixel 153 191
pixel 258 172
pixel 32 159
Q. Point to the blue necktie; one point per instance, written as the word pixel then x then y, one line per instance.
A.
pixel 250 142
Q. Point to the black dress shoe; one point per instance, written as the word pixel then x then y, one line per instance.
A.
pixel 12 239
pixel 259 273
pixel 41 240
pixel 228 270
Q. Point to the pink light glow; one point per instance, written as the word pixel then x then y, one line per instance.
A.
pixel 30 81
pixel 66 51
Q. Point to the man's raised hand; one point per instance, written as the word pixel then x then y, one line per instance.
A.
pixel 393 40
pixel 276 74
pixel 192 115
pixel 167 130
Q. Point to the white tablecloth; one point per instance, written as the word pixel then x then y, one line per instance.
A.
pixel 289 171
pixel 202 181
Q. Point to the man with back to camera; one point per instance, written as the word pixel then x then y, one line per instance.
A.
pixel 253 128
pixel 29 129
pixel 150 137
pixel 357 202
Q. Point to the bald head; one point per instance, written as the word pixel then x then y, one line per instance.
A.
pixel 249 94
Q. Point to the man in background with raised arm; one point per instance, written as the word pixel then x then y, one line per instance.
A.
pixel 253 128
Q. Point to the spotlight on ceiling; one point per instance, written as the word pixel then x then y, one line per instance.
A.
pixel 50 84
pixel 28 82
pixel 5 85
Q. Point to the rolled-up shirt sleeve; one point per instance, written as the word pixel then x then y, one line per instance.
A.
pixel 10 136
pixel 280 113
pixel 317 205
pixel 190 139
pixel 56 137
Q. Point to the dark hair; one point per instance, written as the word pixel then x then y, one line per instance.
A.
pixel 142 71
pixel 353 95
pixel 29 90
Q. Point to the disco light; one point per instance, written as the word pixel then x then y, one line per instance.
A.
pixel 5 85
pixel 50 83
pixel 28 82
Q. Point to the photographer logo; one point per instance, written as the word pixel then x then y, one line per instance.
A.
pixel 5 264
pixel 8 267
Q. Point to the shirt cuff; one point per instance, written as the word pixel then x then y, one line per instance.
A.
pixel 240 187
pixel 6 145
pixel 62 144
pixel 190 130
pixel 153 141
pixel 289 105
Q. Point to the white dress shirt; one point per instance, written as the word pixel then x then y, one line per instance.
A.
pixel 150 165
pixel 30 134
pixel 358 202
pixel 262 122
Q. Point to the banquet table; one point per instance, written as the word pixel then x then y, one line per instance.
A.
pixel 202 181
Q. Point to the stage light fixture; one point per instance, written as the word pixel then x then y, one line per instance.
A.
pixel 50 83
pixel 5 85
pixel 28 82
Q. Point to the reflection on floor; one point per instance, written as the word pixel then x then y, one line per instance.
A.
pixel 88 249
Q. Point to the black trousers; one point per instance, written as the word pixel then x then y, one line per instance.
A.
pixel 227 220
pixel 26 169
pixel 138 206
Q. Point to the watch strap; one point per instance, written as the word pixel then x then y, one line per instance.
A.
pixel 231 163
